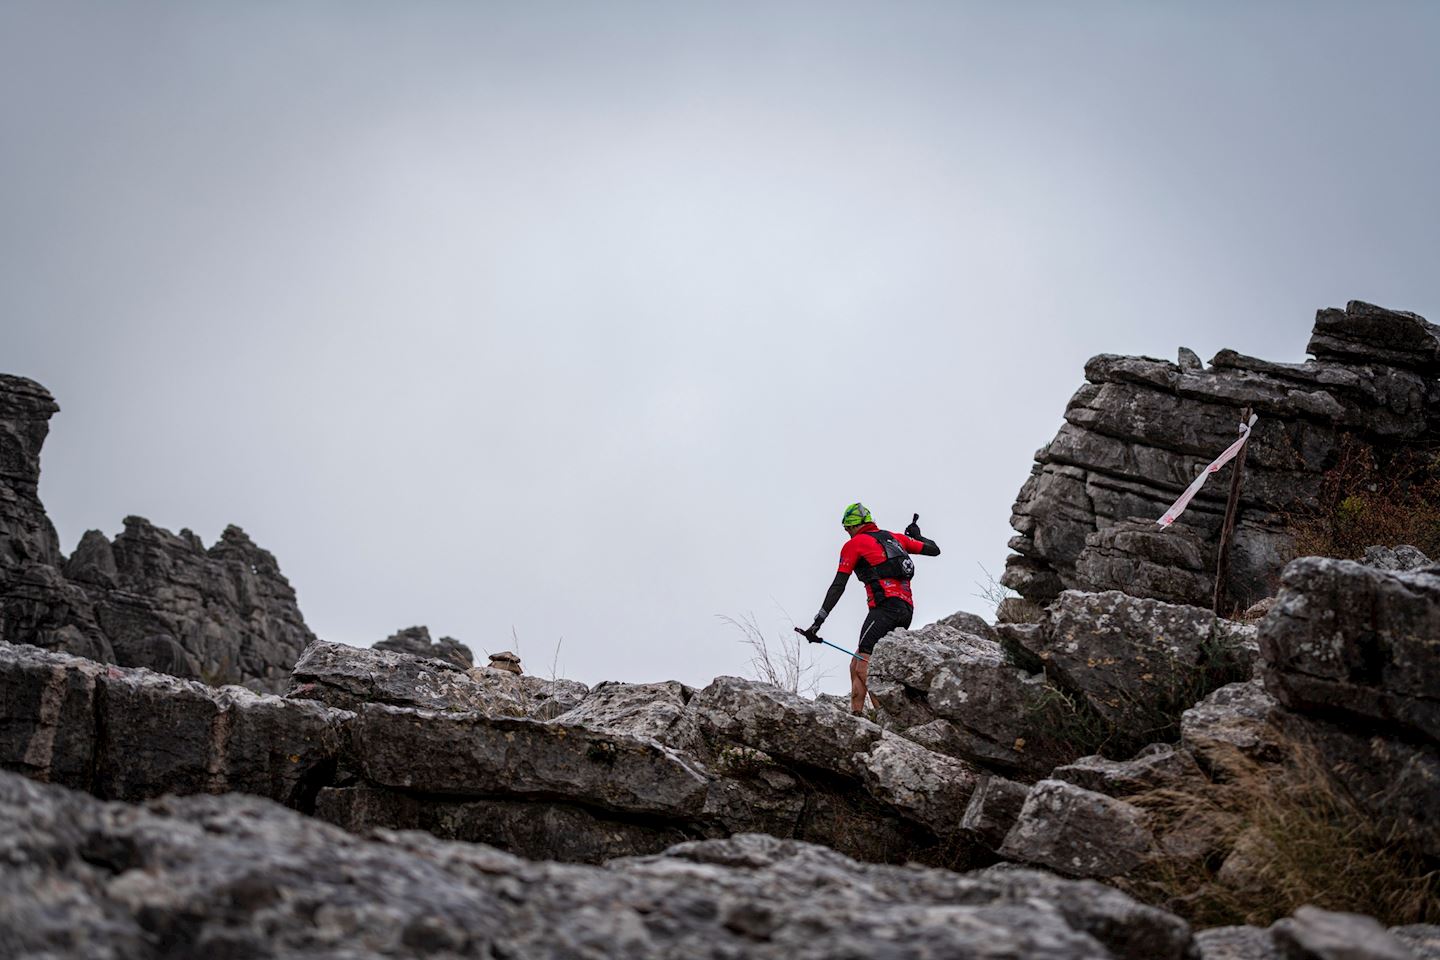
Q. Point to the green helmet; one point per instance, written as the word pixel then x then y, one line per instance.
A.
pixel 856 514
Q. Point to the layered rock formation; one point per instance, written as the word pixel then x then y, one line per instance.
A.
pixel 416 642
pixel 1141 429
pixel 150 598
pixel 237 876
pixel 1098 671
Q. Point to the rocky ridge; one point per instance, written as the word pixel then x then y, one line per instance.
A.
pixel 1111 734
pixel 149 598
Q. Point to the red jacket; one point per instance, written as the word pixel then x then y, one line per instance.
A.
pixel 861 550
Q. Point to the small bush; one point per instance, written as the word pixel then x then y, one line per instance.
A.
pixel 1369 498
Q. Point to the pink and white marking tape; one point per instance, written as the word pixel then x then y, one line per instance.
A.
pixel 1178 507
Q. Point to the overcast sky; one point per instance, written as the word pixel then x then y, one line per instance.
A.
pixel 586 320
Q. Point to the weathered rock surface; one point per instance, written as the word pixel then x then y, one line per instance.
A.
pixel 1353 641
pixel 993 809
pixel 238 876
pixel 1146 560
pixel 345 676
pixel 416 642
pixel 1103 671
pixel 1141 429
pixel 150 598
pixel 1078 832
pixel 132 734
pixel 1315 934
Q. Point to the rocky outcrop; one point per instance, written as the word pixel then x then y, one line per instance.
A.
pixel 1358 643
pixel 149 598
pixel 1099 671
pixel 371 738
pixel 1140 430
pixel 1353 653
pixel 346 677
pixel 133 734
pixel 240 876
pixel 417 643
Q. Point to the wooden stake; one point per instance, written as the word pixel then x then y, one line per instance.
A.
pixel 1232 514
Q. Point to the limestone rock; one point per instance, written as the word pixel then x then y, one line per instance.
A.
pixel 1315 934
pixel 229 610
pixel 1233 729
pixel 1365 333
pixel 1143 559
pixel 993 809
pixel 1140 430
pixel 1349 639
pixel 474 755
pixel 1403 557
pixel 134 734
pixel 416 642
pixel 346 677
pixel 1189 360
pixel 1159 766
pixel 1423 939
pixel 1078 832
pixel 239 876
pixel 957 693
pixel 1139 663
pixel 655 710
pixel 569 831
pixel 1237 943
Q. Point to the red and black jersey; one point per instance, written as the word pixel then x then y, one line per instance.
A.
pixel 865 554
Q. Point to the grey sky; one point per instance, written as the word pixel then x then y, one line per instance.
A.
pixel 588 319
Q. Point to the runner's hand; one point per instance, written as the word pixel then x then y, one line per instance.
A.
pixel 914 529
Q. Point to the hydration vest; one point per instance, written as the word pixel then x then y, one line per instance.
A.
pixel 897 564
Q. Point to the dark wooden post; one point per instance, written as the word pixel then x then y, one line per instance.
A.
pixel 1232 511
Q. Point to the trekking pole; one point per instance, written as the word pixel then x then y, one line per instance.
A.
pixel 808 635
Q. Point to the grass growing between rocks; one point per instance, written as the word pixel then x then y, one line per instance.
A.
pixel 1366 500
pixel 1254 849
pixel 1066 722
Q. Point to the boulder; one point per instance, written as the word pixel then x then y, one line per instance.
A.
pixel 993 809
pixel 1403 558
pixel 346 677
pixel 1350 640
pixel 959 694
pixel 1237 943
pixel 474 755
pixel 229 610
pixel 1143 559
pixel 1315 934
pixel 655 710
pixel 1234 729
pixel 1160 766
pixel 132 734
pixel 1077 832
pixel 416 642
pixel 1139 663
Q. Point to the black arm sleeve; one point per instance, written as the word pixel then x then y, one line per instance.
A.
pixel 932 549
pixel 832 596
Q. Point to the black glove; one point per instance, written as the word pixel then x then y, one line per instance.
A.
pixel 810 634
pixel 914 529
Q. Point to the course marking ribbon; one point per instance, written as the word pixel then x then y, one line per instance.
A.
pixel 1178 507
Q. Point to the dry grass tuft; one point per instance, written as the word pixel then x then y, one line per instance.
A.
pixel 1270 840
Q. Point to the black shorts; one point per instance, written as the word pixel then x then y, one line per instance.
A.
pixel 889 614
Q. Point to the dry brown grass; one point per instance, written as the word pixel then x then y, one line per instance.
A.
pixel 1366 500
pixel 1272 839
